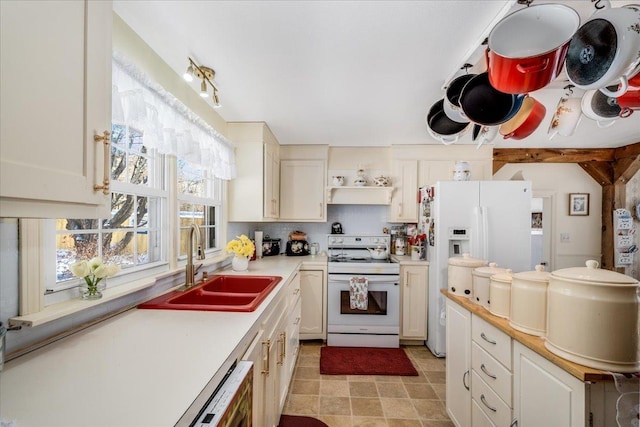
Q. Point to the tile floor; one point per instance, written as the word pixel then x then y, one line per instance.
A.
pixel 372 401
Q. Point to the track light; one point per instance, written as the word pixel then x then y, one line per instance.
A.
pixel 207 75
pixel 216 100
pixel 203 89
pixel 188 75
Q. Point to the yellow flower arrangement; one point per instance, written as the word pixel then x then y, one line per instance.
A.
pixel 241 247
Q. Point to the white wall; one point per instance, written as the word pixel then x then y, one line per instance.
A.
pixel 582 233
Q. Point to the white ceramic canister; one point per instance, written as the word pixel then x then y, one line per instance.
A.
pixel 459 274
pixel 500 294
pixel 529 301
pixel 593 318
pixel 481 278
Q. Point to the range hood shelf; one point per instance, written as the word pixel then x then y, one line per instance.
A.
pixel 365 195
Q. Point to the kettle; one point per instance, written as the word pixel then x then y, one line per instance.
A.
pixel 336 228
pixel 380 252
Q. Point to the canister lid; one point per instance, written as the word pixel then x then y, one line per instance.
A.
pixel 592 273
pixel 538 275
pixel 467 261
pixel 505 277
pixel 488 271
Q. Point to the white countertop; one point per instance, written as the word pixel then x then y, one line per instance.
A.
pixel 140 368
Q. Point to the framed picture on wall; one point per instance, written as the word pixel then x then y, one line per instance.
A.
pixel 536 220
pixel 579 204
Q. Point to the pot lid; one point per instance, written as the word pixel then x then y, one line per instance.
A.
pixel 591 52
pixel 505 277
pixel 605 106
pixel 489 271
pixel 538 275
pixel 467 261
pixel 592 273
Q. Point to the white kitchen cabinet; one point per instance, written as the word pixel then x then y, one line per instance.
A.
pixel 254 195
pixel 313 285
pixel 302 195
pixel 413 286
pixel 404 204
pixel 458 369
pixel 56 95
pixel 544 394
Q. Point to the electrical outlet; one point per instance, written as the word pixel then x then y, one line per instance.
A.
pixel 565 238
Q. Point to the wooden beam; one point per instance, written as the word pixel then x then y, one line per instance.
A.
pixel 625 168
pixel 601 172
pixel 519 155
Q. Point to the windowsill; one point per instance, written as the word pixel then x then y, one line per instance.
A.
pixel 57 311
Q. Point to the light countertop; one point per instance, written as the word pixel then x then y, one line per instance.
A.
pixel 583 373
pixel 140 368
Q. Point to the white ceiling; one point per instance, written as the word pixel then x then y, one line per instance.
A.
pixel 344 73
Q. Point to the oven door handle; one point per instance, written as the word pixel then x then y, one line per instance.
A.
pixel 344 278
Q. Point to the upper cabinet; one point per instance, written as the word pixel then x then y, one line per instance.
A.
pixel 254 195
pixel 404 204
pixel 302 178
pixel 56 95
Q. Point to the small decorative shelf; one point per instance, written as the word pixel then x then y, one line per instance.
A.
pixel 359 195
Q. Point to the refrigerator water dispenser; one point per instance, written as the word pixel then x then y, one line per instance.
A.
pixel 459 242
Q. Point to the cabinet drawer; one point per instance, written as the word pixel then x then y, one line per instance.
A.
pixel 497 411
pixel 492 372
pixel 479 418
pixel 490 338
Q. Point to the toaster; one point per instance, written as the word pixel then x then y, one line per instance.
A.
pixel 297 247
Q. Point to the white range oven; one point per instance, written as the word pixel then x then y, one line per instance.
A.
pixel 377 325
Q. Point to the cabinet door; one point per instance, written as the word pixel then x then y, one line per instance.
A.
pixel 544 394
pixel 302 190
pixel 258 354
pixel 56 94
pixel 414 302
pixel 458 334
pixel 314 304
pixel 404 204
pixel 271 181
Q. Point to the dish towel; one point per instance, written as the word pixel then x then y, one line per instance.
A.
pixel 358 299
pixel 628 403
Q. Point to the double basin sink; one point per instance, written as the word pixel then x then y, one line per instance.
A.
pixel 220 293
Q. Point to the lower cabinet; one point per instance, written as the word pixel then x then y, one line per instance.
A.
pixel 313 286
pixel 273 352
pixel 414 288
pixel 458 369
pixel 494 380
pixel 544 394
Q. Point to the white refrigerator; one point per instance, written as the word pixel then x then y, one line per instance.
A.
pixel 490 220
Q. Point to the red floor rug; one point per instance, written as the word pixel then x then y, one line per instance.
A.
pixel 365 361
pixel 298 421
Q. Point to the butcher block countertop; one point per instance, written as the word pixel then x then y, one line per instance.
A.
pixel 583 373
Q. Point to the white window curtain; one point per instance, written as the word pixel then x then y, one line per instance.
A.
pixel 168 125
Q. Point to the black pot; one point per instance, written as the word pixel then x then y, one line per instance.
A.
pixel 441 127
pixel 485 105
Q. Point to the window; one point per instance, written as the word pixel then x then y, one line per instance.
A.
pixel 132 236
pixel 199 200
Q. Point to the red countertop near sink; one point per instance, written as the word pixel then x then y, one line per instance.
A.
pixel 220 293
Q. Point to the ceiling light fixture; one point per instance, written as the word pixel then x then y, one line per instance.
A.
pixel 206 75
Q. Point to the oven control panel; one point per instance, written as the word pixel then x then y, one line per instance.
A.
pixel 357 241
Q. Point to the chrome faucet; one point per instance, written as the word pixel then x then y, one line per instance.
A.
pixel 191 270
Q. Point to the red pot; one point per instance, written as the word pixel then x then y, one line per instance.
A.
pixel 527 48
pixel 526 121
pixel 631 99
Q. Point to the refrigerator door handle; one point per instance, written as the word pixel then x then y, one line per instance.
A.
pixel 476 237
pixel 485 233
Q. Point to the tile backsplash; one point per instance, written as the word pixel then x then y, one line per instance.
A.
pixel 369 219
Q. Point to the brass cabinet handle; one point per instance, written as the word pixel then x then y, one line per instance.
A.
pixel 268 344
pixel 483 369
pixel 283 349
pixel 106 141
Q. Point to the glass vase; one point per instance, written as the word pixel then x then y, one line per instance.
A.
pixel 240 263
pixel 94 291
